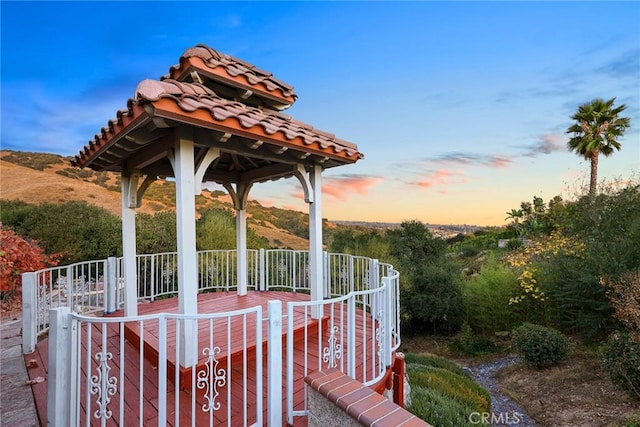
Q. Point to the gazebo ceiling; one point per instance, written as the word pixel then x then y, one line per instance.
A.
pixel 256 142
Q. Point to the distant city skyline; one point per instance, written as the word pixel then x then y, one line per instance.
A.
pixel 460 108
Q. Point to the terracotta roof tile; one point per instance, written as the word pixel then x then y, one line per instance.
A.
pixel 193 96
pixel 231 70
pixel 184 102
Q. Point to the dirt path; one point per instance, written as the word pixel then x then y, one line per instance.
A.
pixel 504 411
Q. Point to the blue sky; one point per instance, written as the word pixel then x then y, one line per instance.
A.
pixel 459 107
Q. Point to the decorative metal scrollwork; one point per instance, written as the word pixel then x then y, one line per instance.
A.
pixel 344 276
pixel 333 352
pixel 210 379
pixel 103 386
pixel 379 333
pixel 44 305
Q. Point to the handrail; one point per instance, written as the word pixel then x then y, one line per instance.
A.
pixel 98 286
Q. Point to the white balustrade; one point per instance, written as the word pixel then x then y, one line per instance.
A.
pixel 357 334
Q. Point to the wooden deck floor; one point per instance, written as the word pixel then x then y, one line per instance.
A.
pixel 140 400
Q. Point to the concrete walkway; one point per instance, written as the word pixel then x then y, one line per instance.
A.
pixel 17 408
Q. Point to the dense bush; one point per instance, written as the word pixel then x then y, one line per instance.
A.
pixel 471 344
pixel 432 301
pixel 18 255
pixel 156 233
pixel 540 346
pixel 434 361
pixel 77 230
pixel 430 290
pixel 216 229
pixel 359 241
pixel 621 362
pixel 442 393
pixel 624 294
pixel 486 298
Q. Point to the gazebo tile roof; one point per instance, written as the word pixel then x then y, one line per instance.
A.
pixel 192 96
pixel 232 71
pixel 189 100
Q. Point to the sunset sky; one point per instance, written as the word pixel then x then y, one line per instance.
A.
pixel 459 107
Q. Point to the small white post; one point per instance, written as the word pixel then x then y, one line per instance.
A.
pixel 374 277
pixel 153 285
pixel 29 312
pixel 274 363
pixel 110 285
pixel 263 281
pixel 351 337
pixel 325 272
pixel 162 372
pixel 58 387
pixel 386 316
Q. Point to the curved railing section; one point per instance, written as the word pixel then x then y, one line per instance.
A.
pixel 355 328
pixel 98 286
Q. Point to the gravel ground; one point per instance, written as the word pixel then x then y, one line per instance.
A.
pixel 504 411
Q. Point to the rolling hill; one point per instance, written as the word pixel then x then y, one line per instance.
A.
pixel 42 177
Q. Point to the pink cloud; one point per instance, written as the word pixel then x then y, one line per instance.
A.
pixel 441 177
pixel 547 144
pixel 498 162
pixel 340 187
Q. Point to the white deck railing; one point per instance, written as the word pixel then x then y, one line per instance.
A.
pixel 357 332
pixel 100 377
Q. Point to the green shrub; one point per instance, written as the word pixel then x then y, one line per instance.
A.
pixel 432 406
pixel 435 361
pixel 442 393
pixel 486 298
pixel 540 346
pixel 471 344
pixel 621 362
pixel 632 420
pixel 432 299
pixel 514 244
pixel 460 388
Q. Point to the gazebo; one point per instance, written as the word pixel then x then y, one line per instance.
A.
pixel 294 314
pixel 212 118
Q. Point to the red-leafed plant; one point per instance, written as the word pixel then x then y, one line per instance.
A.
pixel 18 255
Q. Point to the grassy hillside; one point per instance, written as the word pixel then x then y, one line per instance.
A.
pixel 43 177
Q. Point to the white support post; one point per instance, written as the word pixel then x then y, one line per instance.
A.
pixel 315 241
pixel 374 268
pixel 110 285
pixel 325 272
pixel 262 272
pixel 129 201
pixel 184 170
pixel 386 316
pixel 241 245
pixel 29 312
pixel 58 387
pixel 274 363
pixel 351 337
pixel 162 372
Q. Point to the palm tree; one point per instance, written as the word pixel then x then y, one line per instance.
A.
pixel 596 130
pixel 514 215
